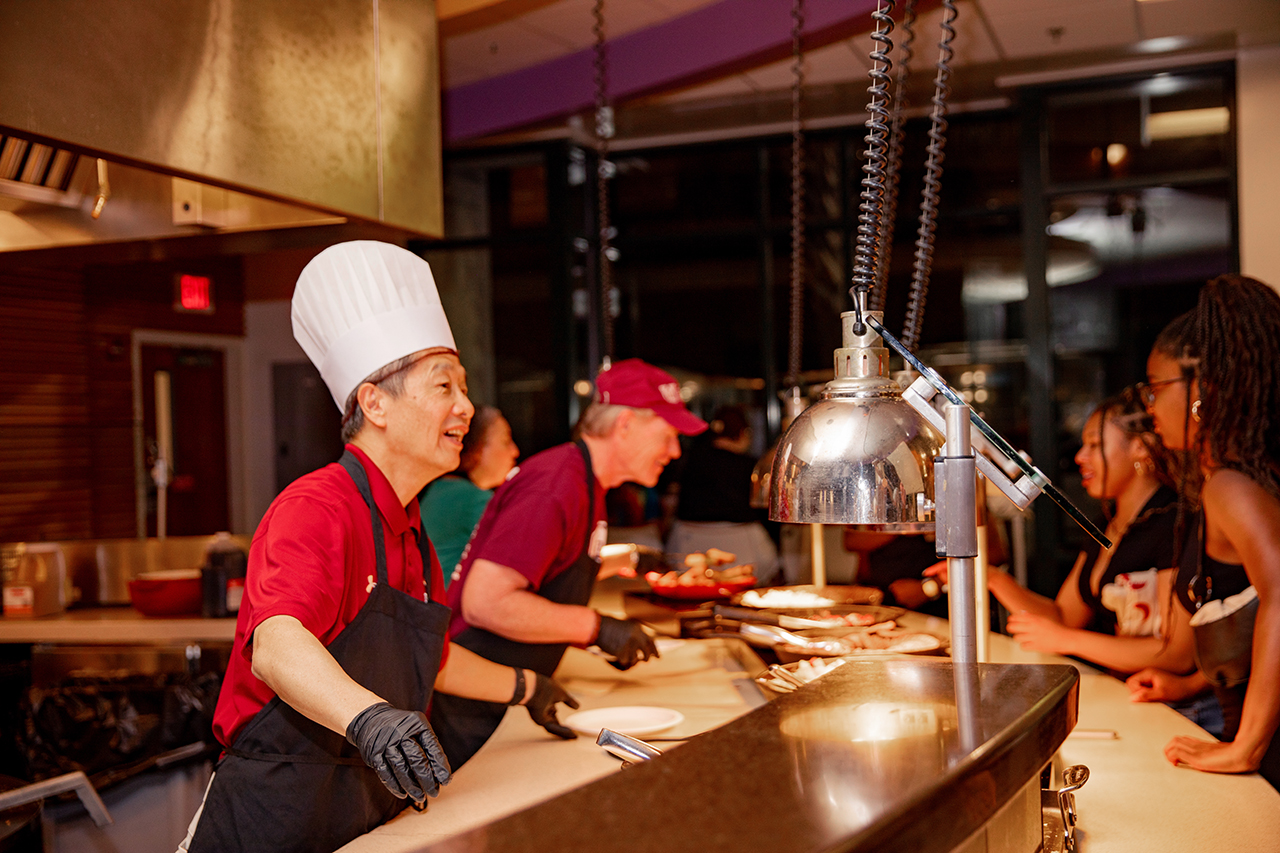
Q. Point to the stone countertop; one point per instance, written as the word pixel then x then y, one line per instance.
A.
pixel 1134 802
pixel 115 625
pixel 851 762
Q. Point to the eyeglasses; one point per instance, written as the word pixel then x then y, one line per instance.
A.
pixel 1147 390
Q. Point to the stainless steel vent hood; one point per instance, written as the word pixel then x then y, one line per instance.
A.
pixel 332 107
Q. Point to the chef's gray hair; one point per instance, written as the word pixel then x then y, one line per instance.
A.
pixel 599 418
pixel 389 378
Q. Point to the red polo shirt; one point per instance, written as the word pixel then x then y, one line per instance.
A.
pixel 312 558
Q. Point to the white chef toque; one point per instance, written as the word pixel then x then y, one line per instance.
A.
pixel 361 305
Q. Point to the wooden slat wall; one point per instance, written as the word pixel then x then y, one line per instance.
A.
pixel 46 489
pixel 66 389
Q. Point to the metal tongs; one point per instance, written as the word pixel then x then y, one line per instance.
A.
pixel 772 635
pixel 761 617
pixel 631 750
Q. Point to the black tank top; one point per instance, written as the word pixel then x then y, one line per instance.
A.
pixel 1147 544
pixel 1225 579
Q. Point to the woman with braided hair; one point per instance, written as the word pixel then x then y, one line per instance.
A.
pixel 1213 388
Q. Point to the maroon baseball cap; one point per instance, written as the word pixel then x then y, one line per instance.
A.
pixel 632 382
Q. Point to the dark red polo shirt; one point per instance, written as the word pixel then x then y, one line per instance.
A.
pixel 536 523
pixel 312 558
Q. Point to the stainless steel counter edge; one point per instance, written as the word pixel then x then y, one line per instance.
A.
pixel 879 755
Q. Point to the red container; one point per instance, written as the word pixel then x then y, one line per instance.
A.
pixel 171 593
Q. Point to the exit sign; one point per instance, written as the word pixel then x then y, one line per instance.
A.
pixel 192 294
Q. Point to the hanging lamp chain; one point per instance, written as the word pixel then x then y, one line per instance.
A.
pixel 923 265
pixel 795 338
pixel 897 134
pixel 871 208
pixel 605 170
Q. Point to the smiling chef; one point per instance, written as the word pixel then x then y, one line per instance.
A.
pixel 341 637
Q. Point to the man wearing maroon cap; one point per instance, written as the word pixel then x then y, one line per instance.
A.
pixel 520 592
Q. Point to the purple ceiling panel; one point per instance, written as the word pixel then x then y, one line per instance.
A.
pixel 720 39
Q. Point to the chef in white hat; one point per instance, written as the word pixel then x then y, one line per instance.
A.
pixel 341 636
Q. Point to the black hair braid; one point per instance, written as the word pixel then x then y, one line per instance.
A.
pixel 1237 338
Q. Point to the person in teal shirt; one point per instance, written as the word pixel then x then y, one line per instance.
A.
pixel 451 505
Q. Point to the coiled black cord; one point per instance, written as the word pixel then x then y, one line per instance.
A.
pixel 923 265
pixel 871 207
pixel 897 134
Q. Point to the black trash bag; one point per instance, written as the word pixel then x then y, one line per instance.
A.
pixel 114 727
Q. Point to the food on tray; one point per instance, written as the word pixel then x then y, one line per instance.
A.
pixel 853 620
pixel 805 671
pixel 701 579
pixel 814 668
pixel 785 598
pixel 887 639
pixel 737 576
pixel 699 561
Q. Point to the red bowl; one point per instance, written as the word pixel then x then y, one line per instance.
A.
pixel 172 593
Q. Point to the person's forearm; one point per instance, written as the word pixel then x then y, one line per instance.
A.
pixel 473 677
pixel 1128 654
pixel 291 661
pixel 1261 712
pixel 1016 598
pixel 526 617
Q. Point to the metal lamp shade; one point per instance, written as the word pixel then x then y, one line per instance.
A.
pixel 793 403
pixel 860 455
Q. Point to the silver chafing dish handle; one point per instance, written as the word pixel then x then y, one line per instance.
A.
pixel 629 749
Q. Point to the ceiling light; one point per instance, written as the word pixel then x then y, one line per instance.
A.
pixel 1182 124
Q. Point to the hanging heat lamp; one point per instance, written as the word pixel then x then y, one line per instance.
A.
pixel 869 453
pixel 862 455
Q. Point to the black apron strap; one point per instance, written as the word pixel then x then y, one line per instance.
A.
pixel 280 757
pixel 356 470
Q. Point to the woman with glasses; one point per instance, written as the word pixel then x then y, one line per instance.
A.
pixel 1116 608
pixel 1213 389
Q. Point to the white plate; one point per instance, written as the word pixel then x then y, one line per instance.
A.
pixel 627 719
pixel 667 644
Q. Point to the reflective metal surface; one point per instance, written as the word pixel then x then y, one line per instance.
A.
pixel 793 403
pixel 860 455
pixel 335 105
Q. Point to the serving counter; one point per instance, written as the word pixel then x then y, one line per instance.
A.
pixel 809 771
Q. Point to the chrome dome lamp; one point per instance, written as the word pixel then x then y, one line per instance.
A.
pixel 860 455
pixel 793 403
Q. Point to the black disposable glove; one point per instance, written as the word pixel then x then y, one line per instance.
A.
pixel 402 749
pixel 542 706
pixel 626 641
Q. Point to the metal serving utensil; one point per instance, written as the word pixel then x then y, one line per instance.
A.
pixel 771 635
pixel 629 749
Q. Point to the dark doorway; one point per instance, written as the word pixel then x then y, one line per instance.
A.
pixel 197 495
pixel 307 423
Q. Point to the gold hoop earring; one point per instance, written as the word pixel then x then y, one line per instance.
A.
pixel 1195 411
pixel 1137 466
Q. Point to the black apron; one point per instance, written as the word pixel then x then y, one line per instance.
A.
pixel 464 725
pixel 290 784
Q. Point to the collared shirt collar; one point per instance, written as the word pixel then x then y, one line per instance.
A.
pixel 398 518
